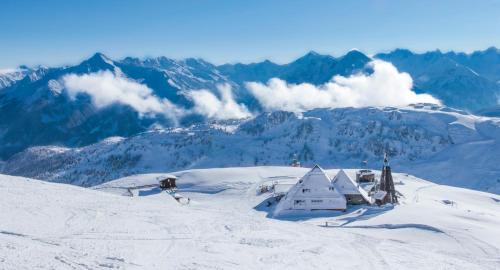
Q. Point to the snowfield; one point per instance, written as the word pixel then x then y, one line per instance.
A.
pixel 227 225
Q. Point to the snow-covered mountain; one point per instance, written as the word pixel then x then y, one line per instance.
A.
pixel 486 63
pixel 312 68
pixel 36 109
pixel 227 226
pixel 459 80
pixel 9 77
pixel 438 143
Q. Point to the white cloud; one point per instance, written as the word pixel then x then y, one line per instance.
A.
pixel 208 104
pixel 384 87
pixel 106 88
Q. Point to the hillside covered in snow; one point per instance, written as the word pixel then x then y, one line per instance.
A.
pixel 227 225
pixel 100 97
pixel 437 143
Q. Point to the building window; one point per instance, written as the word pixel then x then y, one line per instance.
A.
pixel 316 201
pixel 331 188
pixel 299 202
pixel 304 190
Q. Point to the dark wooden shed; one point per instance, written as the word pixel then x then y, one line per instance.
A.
pixel 168 182
pixel 364 176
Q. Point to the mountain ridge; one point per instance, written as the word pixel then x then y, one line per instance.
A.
pixel 36 110
pixel 423 139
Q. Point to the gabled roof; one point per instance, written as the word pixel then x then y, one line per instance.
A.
pixel 315 177
pixel 346 184
pixel 317 181
pixel 315 184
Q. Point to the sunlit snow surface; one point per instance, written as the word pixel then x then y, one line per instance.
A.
pixel 227 225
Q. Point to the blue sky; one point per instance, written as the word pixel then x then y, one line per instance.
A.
pixel 59 32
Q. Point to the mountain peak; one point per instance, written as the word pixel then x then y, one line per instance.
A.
pixel 492 49
pixel 402 52
pixel 131 60
pixel 355 52
pixel 355 55
pixel 99 59
pixel 312 53
pixel 99 56
pixel 313 56
pixel 97 62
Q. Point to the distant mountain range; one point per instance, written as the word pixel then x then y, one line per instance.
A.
pixel 35 108
pixel 466 81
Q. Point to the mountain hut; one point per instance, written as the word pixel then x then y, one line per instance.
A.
pixel 168 182
pixel 355 192
pixel 314 191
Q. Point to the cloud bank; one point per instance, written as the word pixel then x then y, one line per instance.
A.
pixel 208 104
pixel 106 88
pixel 384 87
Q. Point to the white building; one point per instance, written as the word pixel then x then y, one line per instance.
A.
pixel 314 191
pixel 355 192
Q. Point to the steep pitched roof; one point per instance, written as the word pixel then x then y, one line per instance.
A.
pixel 316 177
pixel 315 184
pixel 346 184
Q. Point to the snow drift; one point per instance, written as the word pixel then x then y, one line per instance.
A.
pixel 226 226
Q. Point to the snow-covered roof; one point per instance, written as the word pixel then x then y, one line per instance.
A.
pixel 379 195
pixel 165 176
pixel 317 180
pixel 314 185
pixel 345 182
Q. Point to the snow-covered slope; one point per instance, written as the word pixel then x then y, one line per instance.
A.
pixel 227 226
pixel 35 108
pixel 10 76
pixel 438 143
pixel 461 81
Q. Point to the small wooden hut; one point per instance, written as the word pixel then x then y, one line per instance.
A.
pixel 365 176
pixel 168 182
pixel 295 161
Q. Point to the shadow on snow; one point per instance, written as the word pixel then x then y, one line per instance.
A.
pixel 352 213
pixel 341 219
